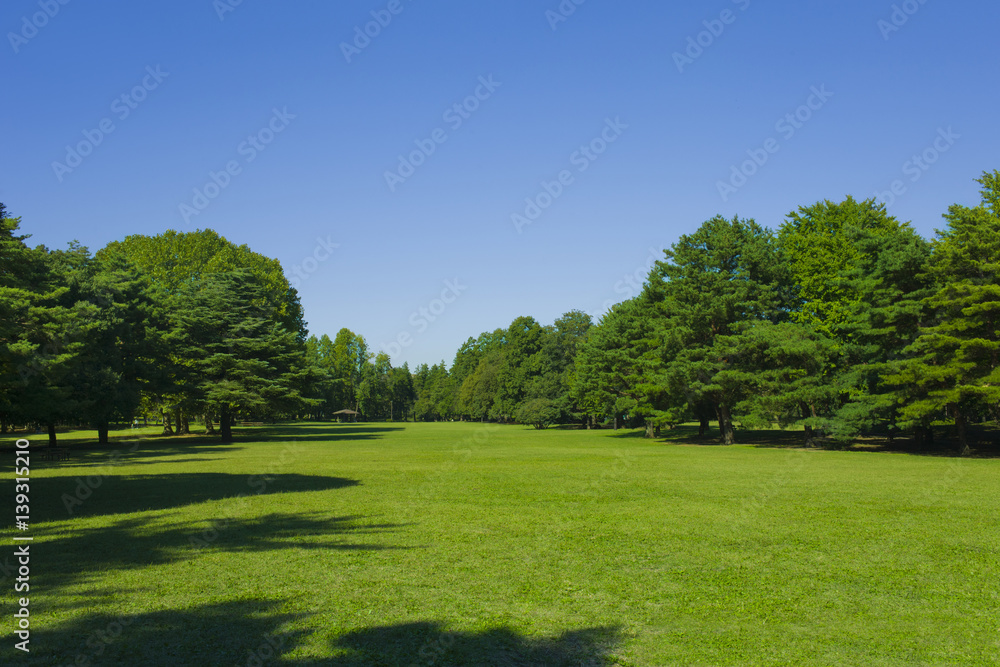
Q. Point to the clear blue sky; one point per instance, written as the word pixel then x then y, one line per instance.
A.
pixel 206 84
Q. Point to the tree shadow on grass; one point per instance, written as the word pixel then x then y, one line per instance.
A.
pixel 257 632
pixel 315 432
pixel 87 451
pixel 133 542
pixel 124 452
pixel 96 494
pixel 984 441
pixel 427 644
pixel 250 632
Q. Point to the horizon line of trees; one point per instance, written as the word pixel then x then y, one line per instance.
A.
pixel 842 322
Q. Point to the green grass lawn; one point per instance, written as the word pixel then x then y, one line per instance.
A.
pixel 468 544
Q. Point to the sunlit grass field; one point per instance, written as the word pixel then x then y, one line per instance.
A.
pixel 470 544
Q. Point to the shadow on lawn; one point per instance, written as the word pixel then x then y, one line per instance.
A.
pixel 984 441
pixel 97 459
pixel 147 449
pixel 256 632
pixel 251 632
pixel 428 644
pixel 313 432
pixel 134 543
pixel 96 494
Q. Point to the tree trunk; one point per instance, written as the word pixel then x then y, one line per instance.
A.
pixel 961 431
pixel 649 429
pixel 167 430
pixel 209 428
pixel 704 426
pixel 185 425
pixel 726 425
pixel 616 421
pixel 52 434
pixel 225 424
pixel 102 432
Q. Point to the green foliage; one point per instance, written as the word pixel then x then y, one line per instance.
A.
pixel 539 412
pixel 712 285
pixel 820 242
pixel 241 356
pixel 954 364
pixel 173 259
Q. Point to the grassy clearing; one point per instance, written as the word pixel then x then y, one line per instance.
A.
pixel 468 544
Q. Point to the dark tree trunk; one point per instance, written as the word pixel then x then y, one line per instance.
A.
pixel 616 422
pixel 649 429
pixel 726 425
pixel 209 428
pixel 185 425
pixel 704 426
pixel 102 432
pixel 167 430
pixel 961 432
pixel 52 434
pixel 225 424
pixel 923 436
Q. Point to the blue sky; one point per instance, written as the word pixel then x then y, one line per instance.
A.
pixel 641 108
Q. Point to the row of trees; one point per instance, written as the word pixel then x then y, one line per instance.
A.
pixel 522 373
pixel 844 321
pixel 349 376
pixel 178 325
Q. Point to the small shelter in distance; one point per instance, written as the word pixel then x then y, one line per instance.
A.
pixel 340 414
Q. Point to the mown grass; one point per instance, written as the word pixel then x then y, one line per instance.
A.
pixel 469 544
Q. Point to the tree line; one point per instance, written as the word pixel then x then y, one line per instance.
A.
pixel 842 322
